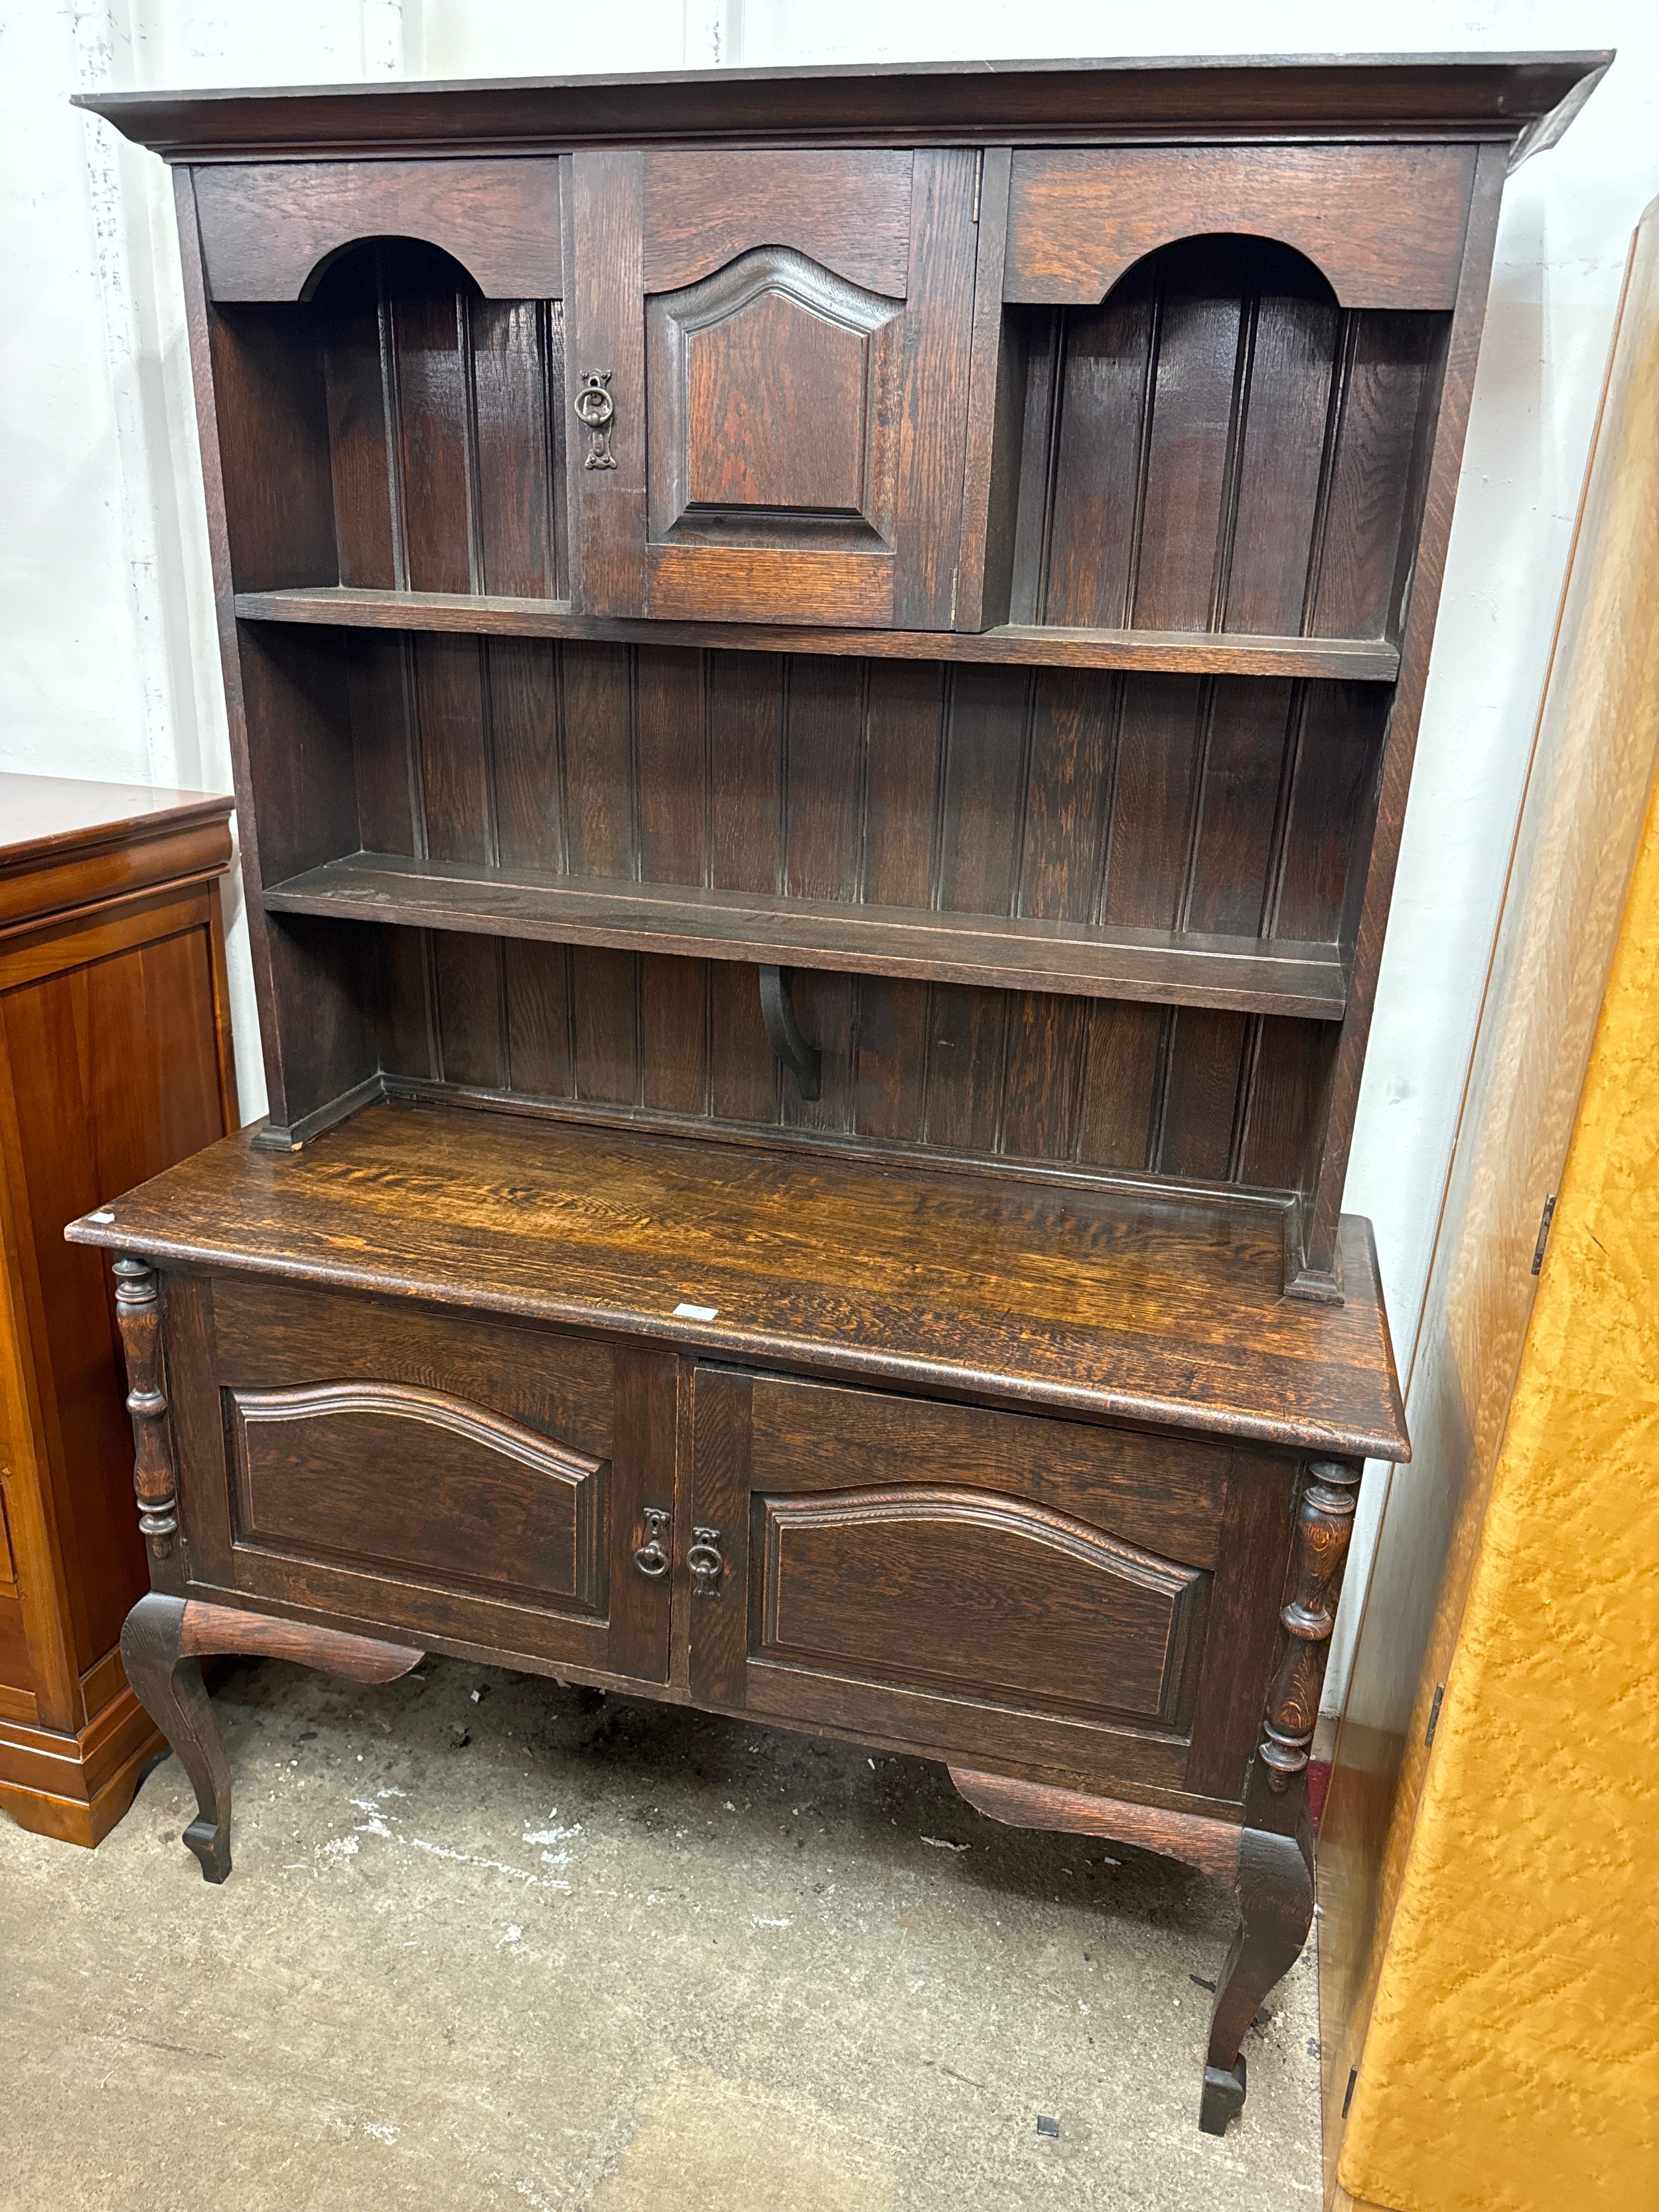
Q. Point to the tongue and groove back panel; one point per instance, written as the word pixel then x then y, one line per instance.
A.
pixel 1195 453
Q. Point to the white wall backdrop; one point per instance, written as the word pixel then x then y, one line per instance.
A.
pixel 108 663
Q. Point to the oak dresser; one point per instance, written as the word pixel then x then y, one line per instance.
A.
pixel 824 671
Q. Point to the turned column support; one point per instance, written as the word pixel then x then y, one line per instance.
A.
pixel 155 1483
pixel 1324 1524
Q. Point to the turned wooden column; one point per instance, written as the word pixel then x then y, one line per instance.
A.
pixel 154 1482
pixel 1324 1524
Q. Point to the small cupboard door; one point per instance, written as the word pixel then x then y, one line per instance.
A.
pixel 972 1584
pixel 768 376
pixel 426 1470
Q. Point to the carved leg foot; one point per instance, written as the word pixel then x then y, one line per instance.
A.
pixel 162 1645
pixel 1275 1903
pixel 168 1683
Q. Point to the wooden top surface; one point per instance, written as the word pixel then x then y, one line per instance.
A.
pixel 1530 95
pixel 1091 1302
pixel 49 818
pixel 66 846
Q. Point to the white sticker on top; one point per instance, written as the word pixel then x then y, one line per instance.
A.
pixel 685 1311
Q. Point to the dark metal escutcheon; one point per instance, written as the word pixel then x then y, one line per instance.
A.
pixel 595 407
pixel 650 1559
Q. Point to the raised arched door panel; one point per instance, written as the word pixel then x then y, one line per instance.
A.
pixel 989 1585
pixel 769 365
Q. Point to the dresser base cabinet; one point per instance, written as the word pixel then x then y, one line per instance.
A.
pixel 822 669
pixel 596 1404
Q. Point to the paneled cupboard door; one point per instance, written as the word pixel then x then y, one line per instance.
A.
pixel 769 380
pixel 980 1584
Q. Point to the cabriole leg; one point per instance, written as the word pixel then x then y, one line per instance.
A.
pixel 1275 1906
pixel 162 1645
pixel 168 1682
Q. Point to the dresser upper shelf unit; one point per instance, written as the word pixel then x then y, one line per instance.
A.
pixel 480 614
pixel 969 537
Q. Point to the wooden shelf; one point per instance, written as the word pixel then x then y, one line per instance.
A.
pixel 1245 974
pixel 1352 659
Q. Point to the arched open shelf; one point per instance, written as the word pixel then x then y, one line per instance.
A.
pixel 412 429
pixel 1193 449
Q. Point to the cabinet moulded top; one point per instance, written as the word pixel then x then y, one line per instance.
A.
pixel 1529 98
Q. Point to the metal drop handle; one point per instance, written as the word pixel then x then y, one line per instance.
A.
pixel 596 409
pixel 707 1563
pixel 650 1559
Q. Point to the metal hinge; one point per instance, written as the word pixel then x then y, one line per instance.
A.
pixel 1434 1716
pixel 1543 1233
pixel 1348 2094
pixel 979 174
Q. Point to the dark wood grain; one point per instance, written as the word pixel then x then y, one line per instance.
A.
pixel 1275 1887
pixel 1213 1846
pixel 209 1631
pixel 1051 645
pixel 815 919
pixel 1324 1524
pixel 605 337
pixel 1001 1601
pixel 1093 1303
pixel 1255 1540
pixel 848 212
pixel 772 406
pixel 267 233
pixel 419 1480
pixel 996 393
pixel 162 1643
pixel 1385 226
pixel 807 1436
pixel 1531 97
pixel 1216 447
pixel 1127 961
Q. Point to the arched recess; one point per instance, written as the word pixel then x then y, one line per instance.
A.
pixel 421 263
pixel 398 266
pixel 445 420
pixel 1210 430
pixel 499 219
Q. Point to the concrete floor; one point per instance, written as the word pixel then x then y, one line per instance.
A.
pixel 494 1943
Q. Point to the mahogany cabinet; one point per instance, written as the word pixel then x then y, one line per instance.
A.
pixel 824 671
pixel 114 1062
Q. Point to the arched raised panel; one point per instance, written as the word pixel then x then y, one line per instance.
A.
pixel 424 1484
pixel 988 1597
pixel 270 231
pixel 1384 224
pixel 773 407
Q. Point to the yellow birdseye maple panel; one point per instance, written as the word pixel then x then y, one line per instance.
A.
pixel 1512 2064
